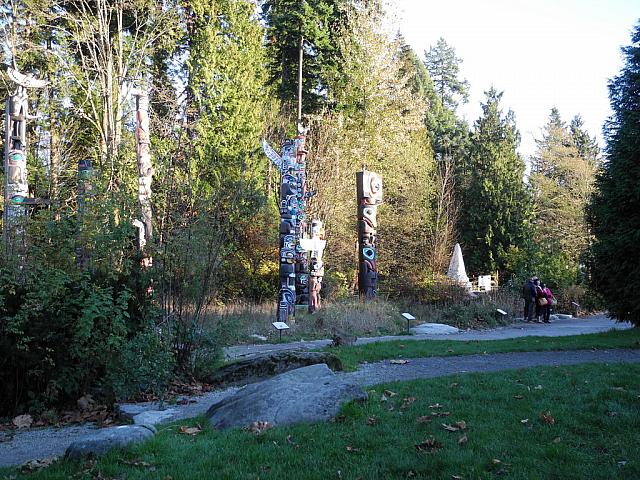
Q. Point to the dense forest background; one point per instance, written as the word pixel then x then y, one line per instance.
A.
pixel 221 76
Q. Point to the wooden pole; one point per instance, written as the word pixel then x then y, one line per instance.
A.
pixel 301 53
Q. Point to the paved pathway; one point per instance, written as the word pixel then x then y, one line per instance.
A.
pixel 558 328
pixel 46 442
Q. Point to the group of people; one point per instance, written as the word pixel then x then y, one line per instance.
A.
pixel 538 300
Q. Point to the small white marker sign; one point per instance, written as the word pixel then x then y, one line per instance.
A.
pixel 280 325
pixel 408 316
pixel 500 311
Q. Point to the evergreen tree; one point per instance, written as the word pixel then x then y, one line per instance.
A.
pixel 496 202
pixel 587 145
pixel 562 181
pixel 444 67
pixel 378 120
pixel 614 213
pixel 318 22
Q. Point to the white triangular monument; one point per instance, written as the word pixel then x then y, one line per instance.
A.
pixel 456 271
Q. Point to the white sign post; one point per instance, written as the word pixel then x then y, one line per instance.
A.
pixel 409 317
pixel 280 326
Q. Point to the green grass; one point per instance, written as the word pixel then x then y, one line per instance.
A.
pixel 352 355
pixel 596 435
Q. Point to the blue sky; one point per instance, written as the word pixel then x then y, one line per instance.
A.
pixel 541 54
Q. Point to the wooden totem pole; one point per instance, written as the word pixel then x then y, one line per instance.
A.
pixel 16 186
pixel 369 191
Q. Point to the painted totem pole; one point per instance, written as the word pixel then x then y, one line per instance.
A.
pixel 16 190
pixel 316 246
pixel 294 277
pixel 145 169
pixel 369 191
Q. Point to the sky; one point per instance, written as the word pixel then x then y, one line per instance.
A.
pixel 542 53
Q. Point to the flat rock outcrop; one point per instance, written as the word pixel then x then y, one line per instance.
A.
pixel 107 438
pixel 308 394
pixel 263 366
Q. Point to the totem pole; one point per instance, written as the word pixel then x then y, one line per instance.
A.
pixel 315 245
pixel 85 188
pixel 294 277
pixel 16 189
pixel 145 169
pixel 369 191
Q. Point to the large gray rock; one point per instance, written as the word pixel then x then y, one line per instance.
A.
pixel 155 417
pixel 433 329
pixel 258 368
pixel 308 394
pixel 107 438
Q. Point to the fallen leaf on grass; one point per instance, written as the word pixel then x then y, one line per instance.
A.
pixel 462 440
pixel 518 397
pixel 136 462
pixel 429 445
pixel 538 387
pixel 435 405
pixel 424 419
pixel 372 421
pixel 457 477
pixel 33 465
pixel 556 440
pixel 399 362
pixel 622 463
pixel 259 427
pixel 23 421
pixel 611 414
pixel 193 431
pixel 351 449
pixel 290 441
pixel 400 346
pixel 449 350
pixel 524 421
pixel 453 385
pixel 461 425
pixel 547 418
pixel 440 414
pixel 340 418
pixel 389 393
pixel 407 401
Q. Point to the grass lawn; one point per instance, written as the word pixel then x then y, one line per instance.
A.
pixel 351 356
pixel 540 423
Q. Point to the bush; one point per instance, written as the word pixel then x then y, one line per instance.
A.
pixel 60 332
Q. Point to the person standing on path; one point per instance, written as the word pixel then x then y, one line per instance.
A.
pixel 546 309
pixel 540 300
pixel 529 296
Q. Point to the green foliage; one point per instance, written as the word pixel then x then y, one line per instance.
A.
pixel 144 363
pixel 59 334
pixel 562 182
pixel 496 203
pixel 614 213
pixel 443 66
pixel 319 22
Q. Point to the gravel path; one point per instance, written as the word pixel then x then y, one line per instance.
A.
pixel 42 443
pixel 558 328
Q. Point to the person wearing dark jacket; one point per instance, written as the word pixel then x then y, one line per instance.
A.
pixel 529 296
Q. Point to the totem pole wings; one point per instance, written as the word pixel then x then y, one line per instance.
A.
pixel 25 81
pixel 272 154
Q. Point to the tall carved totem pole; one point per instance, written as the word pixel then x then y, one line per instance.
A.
pixel 294 259
pixel 16 188
pixel 301 267
pixel 369 192
pixel 145 169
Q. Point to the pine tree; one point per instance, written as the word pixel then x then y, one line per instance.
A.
pixel 562 180
pixel 444 67
pixel 317 21
pixel 496 202
pixel 614 213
